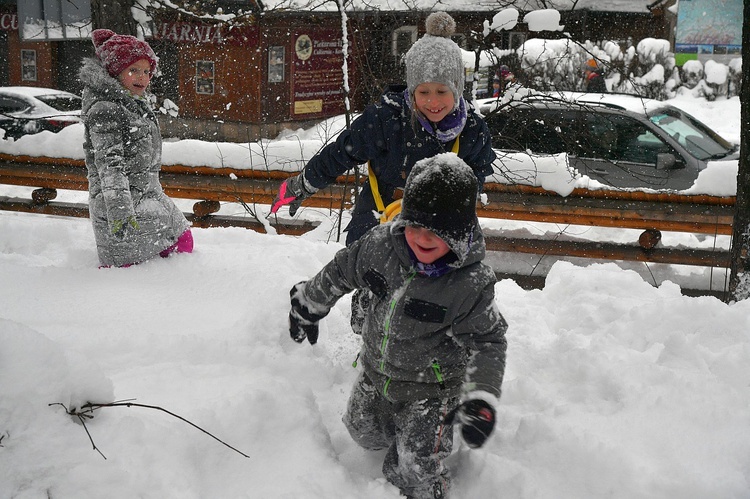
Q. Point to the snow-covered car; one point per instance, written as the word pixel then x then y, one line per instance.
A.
pixel 619 140
pixel 28 110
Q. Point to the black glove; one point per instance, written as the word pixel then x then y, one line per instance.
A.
pixel 302 322
pixel 292 192
pixel 477 419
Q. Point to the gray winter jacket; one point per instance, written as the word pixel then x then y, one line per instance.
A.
pixel 122 143
pixel 423 337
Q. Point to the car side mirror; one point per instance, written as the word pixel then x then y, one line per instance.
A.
pixel 667 161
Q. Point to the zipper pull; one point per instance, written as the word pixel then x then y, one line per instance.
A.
pixel 438 374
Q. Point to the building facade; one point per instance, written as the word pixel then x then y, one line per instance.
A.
pixel 250 80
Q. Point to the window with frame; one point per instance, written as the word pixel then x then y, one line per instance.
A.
pixel 636 143
pixel 402 39
pixel 54 19
pixel 515 40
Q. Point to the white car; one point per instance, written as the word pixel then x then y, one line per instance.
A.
pixel 28 110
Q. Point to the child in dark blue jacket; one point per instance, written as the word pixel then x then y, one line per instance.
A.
pixel 428 117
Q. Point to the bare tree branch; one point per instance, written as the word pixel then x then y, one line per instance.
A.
pixel 86 412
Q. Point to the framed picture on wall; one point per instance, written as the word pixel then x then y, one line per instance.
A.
pixel 204 77
pixel 28 65
pixel 275 64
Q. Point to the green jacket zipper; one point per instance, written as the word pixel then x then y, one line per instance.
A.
pixel 438 374
pixel 387 325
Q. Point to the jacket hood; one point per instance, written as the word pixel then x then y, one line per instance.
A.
pixel 97 80
pixel 465 254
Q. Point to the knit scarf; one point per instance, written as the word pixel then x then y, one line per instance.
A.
pixel 439 267
pixel 446 129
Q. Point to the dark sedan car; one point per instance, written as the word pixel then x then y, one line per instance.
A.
pixel 619 140
pixel 28 110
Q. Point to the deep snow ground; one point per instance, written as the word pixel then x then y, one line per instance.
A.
pixel 614 388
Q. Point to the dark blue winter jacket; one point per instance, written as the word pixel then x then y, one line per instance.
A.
pixel 392 141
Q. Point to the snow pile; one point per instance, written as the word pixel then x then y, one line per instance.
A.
pixel 614 388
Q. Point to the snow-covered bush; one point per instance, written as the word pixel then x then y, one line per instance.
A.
pixel 735 77
pixel 552 64
pixel 716 77
pixel 647 68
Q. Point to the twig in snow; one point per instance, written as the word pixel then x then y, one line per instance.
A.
pixel 82 418
pixel 87 409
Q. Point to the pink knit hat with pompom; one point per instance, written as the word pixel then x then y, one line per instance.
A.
pixel 118 52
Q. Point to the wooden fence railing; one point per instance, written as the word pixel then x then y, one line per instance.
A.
pixel 651 213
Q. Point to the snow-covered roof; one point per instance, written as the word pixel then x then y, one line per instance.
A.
pixel 635 6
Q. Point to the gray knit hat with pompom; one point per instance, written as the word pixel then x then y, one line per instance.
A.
pixel 435 57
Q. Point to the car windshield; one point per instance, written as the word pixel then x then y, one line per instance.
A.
pixel 697 138
pixel 62 102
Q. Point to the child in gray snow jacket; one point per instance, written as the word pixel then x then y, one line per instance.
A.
pixel 434 343
pixel 133 219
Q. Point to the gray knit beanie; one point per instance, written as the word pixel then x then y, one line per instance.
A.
pixel 435 57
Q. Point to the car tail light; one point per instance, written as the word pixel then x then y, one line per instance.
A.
pixel 60 123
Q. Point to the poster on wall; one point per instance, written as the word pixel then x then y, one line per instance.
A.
pixel 28 65
pixel 204 77
pixel 275 64
pixel 317 75
pixel 708 29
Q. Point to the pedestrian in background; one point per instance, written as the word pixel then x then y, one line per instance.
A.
pixel 506 80
pixel 593 77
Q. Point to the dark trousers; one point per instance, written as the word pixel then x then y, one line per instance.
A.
pixel 413 432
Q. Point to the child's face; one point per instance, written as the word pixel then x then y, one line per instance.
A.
pixel 427 246
pixel 434 100
pixel 136 77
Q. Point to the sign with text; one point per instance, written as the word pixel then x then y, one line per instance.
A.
pixel 317 74
pixel 8 21
pixel 187 32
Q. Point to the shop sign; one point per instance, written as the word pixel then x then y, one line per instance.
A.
pixel 184 32
pixel 8 22
pixel 189 32
pixel 317 75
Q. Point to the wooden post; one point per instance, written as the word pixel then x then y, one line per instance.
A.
pixel 739 280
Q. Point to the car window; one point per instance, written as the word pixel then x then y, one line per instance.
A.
pixel 528 130
pixel 621 138
pixel 691 134
pixel 61 102
pixel 11 105
pixel 581 132
pixel 598 136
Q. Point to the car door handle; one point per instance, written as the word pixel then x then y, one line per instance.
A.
pixel 599 171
